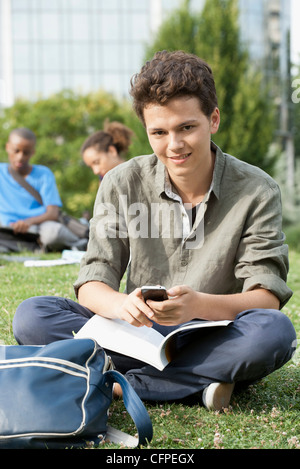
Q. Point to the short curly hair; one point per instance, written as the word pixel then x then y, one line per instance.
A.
pixel 173 74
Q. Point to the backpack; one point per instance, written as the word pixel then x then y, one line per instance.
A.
pixel 58 396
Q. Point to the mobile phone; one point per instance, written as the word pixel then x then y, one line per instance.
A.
pixel 155 293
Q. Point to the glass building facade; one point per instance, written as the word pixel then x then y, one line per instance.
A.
pixel 265 27
pixel 76 44
pixel 84 45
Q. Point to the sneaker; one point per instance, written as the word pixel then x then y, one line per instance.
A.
pixel 217 396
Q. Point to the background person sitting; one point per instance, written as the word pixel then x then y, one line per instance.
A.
pixel 19 209
pixel 105 149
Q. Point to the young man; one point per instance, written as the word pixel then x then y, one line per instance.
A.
pixel 18 208
pixel 196 220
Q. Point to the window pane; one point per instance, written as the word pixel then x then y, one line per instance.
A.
pixel 46 4
pixel 80 27
pixel 20 4
pixel 111 58
pixel 81 82
pixel 20 26
pixel 111 83
pixel 78 4
pixel 51 57
pixel 22 86
pixel 109 5
pixel 49 26
pixel 80 57
pixel 136 26
pixel 109 27
pixel 133 58
pixel 21 57
pixel 136 5
pixel 52 83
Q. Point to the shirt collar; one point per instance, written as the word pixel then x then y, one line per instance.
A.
pixel 163 183
pixel 218 170
pixel 160 177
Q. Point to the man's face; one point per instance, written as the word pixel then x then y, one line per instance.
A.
pixel 19 152
pixel 179 134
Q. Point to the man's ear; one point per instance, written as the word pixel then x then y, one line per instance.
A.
pixel 215 121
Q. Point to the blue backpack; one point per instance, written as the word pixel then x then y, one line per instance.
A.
pixel 58 396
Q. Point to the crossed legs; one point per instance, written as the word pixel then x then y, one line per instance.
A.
pixel 253 346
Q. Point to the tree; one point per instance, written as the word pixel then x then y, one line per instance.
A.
pixel 247 112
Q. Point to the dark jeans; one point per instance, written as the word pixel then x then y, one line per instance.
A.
pixel 258 342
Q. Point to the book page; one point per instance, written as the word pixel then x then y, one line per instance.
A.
pixel 142 343
pixel 199 323
pixel 189 326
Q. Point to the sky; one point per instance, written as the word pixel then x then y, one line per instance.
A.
pixel 295 31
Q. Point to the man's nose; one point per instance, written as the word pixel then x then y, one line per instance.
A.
pixel 176 142
pixel 20 156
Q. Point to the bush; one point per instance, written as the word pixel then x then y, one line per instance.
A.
pixel 293 236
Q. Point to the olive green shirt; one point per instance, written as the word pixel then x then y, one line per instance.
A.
pixel 141 225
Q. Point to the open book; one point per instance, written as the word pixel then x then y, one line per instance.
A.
pixel 143 343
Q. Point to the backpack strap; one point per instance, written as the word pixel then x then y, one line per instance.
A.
pixel 136 410
pixel 22 181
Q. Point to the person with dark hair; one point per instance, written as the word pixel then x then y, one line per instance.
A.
pixel 172 75
pixel 197 220
pixel 20 208
pixel 106 148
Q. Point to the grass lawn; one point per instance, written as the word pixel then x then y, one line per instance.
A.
pixel 265 416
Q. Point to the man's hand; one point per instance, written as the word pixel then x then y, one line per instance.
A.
pixel 105 301
pixel 134 310
pixel 179 308
pixel 186 304
pixel 20 226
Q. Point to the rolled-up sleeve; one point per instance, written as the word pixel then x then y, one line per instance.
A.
pixel 262 256
pixel 107 255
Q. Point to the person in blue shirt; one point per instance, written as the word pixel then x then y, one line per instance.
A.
pixel 18 208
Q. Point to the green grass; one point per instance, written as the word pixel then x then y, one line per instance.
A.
pixel 264 416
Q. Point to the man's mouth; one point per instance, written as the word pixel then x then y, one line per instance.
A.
pixel 180 158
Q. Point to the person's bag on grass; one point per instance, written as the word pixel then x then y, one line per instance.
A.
pixel 58 396
pixel 74 224
pixel 17 242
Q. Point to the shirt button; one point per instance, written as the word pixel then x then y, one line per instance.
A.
pixel 184 263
